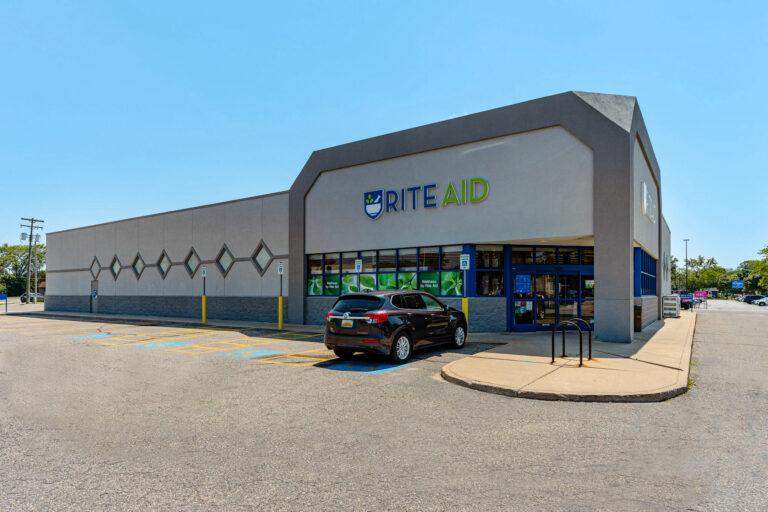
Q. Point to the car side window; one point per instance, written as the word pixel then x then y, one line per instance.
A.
pixel 413 301
pixel 431 304
pixel 397 301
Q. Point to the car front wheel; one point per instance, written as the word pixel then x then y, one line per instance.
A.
pixel 401 348
pixel 459 336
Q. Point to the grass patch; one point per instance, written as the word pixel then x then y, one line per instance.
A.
pixel 691 382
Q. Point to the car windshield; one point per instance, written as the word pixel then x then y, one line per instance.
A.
pixel 357 304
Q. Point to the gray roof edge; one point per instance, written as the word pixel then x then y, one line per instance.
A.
pixel 199 207
pixel 435 124
pixel 617 108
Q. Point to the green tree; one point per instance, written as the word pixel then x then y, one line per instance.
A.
pixel 14 260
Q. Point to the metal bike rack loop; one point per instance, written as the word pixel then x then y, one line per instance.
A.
pixel 572 323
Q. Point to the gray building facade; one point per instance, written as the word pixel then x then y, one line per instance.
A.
pixel 556 200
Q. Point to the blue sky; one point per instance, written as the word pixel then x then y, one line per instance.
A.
pixel 117 109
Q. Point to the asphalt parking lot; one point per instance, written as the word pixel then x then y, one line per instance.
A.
pixel 110 416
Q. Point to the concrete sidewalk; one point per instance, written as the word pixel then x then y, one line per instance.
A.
pixel 192 322
pixel 653 368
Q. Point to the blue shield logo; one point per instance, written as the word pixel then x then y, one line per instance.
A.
pixel 373 203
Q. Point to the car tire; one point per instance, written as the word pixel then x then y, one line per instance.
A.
pixel 402 348
pixel 343 353
pixel 459 338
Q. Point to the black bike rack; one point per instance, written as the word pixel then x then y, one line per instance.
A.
pixel 573 323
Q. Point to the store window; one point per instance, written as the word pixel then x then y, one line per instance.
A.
pixel 315 264
pixel 369 261
pixel 489 260
pixel 489 256
pixel 431 269
pixel 568 256
pixel 544 256
pixel 387 260
pixel 522 255
pixel 407 260
pixel 332 263
pixel 348 261
pixel 429 258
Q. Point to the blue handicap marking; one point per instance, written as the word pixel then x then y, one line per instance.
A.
pixel 164 344
pixel 89 336
pixel 248 353
pixel 367 367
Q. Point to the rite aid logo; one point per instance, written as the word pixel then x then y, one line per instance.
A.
pixel 467 191
pixel 373 203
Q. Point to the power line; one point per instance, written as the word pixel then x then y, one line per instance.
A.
pixel 31 221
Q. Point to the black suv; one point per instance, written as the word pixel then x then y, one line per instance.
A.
pixel 393 323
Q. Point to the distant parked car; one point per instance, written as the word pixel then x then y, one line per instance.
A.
pixel 761 302
pixel 749 298
pixel 36 297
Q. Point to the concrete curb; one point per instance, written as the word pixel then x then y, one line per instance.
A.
pixel 485 387
pixel 680 387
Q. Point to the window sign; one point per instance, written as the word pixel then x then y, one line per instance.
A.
pixel 407 281
pixel 315 285
pixel 358 265
pixel 350 283
pixel 387 281
pixel 451 284
pixel 367 282
pixel 332 282
pixel 430 282
pixel 589 284
pixel 523 284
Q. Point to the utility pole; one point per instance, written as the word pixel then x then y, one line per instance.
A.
pixel 32 227
pixel 686 263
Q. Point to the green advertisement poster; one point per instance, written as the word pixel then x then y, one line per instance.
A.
pixel 349 283
pixel 387 281
pixel 430 282
pixel 367 282
pixel 315 285
pixel 451 283
pixel 332 284
pixel 406 281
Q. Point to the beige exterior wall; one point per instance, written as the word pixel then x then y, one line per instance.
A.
pixel 541 186
pixel 240 224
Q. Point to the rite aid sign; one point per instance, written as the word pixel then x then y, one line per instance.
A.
pixel 466 191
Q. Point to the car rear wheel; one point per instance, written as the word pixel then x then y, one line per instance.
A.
pixel 401 348
pixel 343 353
pixel 459 336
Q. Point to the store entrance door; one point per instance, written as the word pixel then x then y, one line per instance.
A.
pixel 546 300
pixel 541 299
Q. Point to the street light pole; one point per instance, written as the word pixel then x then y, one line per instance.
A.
pixel 686 263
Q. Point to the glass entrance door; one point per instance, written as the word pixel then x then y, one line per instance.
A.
pixel 567 296
pixel 523 302
pixel 588 298
pixel 546 300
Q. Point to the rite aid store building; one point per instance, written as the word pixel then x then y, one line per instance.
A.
pixel 556 200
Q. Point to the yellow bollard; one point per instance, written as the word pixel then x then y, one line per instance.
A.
pixel 280 312
pixel 205 310
pixel 465 308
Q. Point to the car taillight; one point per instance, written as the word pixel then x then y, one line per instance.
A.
pixel 328 315
pixel 377 317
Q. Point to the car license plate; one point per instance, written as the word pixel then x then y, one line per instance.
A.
pixel 347 323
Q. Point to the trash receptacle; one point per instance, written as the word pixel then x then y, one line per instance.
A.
pixel 638 318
